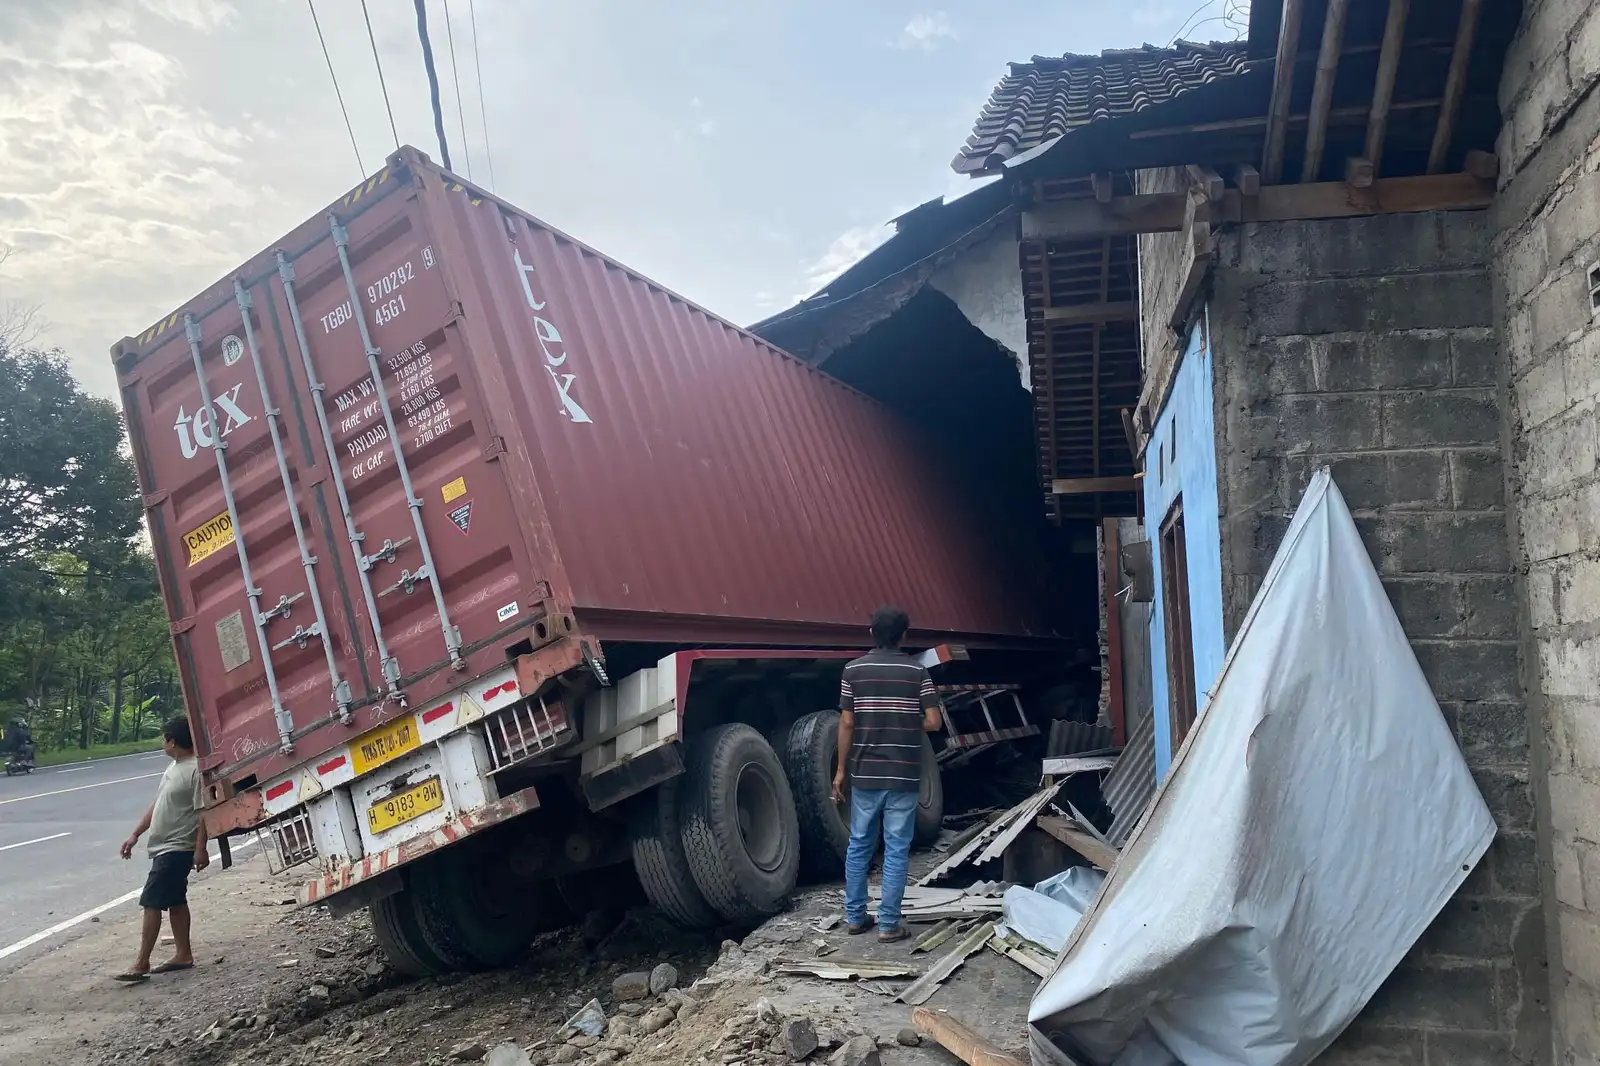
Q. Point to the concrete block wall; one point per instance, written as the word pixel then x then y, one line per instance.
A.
pixel 1369 345
pixel 1161 270
pixel 1546 236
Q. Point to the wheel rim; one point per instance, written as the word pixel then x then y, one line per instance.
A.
pixel 760 821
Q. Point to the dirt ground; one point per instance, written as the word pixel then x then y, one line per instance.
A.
pixel 279 986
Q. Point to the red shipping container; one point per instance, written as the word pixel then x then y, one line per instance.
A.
pixel 494 436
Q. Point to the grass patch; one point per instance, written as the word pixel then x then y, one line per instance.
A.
pixel 99 751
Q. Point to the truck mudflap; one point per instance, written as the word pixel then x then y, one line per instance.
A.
pixel 391 859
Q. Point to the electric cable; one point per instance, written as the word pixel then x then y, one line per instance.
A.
pixel 342 109
pixel 455 77
pixel 483 112
pixel 381 83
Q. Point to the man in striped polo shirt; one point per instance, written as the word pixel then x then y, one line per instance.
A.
pixel 886 702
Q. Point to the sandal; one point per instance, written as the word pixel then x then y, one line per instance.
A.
pixel 132 977
pixel 173 967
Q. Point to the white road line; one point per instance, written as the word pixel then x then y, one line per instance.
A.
pixel 79 919
pixel 77 788
pixel 73 769
pixel 35 840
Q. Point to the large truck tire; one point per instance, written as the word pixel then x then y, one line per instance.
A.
pixel 930 797
pixel 472 911
pixel 660 861
pixel 810 752
pixel 394 926
pixel 739 829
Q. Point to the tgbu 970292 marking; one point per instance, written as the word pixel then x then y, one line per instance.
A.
pixel 383 295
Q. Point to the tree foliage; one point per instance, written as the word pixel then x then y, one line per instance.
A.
pixel 84 651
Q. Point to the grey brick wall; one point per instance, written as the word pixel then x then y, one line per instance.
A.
pixel 1369 345
pixel 1161 268
pixel 1546 234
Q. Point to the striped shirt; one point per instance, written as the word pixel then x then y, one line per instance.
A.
pixel 887 692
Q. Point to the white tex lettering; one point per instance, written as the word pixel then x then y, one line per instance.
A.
pixel 549 336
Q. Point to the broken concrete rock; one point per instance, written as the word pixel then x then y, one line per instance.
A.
pixel 589 1021
pixel 908 1038
pixel 799 1038
pixel 663 978
pixel 630 987
pixel 582 1041
pixel 605 1058
pixel 857 1051
pixel 564 1054
pixel 468 1051
pixel 632 1010
pixel 507 1054
pixel 624 1026
pixel 656 1020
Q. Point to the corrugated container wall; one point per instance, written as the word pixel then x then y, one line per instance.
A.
pixel 526 439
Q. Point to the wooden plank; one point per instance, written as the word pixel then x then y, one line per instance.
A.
pixel 1481 164
pixel 1102 855
pixel 1102 184
pixel 1208 181
pixel 1120 311
pixel 1248 178
pixel 1078 486
pixel 960 1041
pixel 1383 85
pixel 1200 247
pixel 1358 173
pixel 1144 213
pixel 1111 581
pixel 1455 85
pixel 922 989
pixel 1322 89
pixel 1282 90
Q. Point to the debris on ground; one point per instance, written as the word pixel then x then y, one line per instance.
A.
pixel 959 1040
pixel 925 986
pixel 992 842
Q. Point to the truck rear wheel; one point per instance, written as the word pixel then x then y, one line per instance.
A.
pixel 930 797
pixel 660 861
pixel 394 926
pixel 739 829
pixel 472 910
pixel 809 754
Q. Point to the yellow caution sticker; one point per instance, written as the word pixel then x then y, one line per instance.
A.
pixel 454 490
pixel 210 538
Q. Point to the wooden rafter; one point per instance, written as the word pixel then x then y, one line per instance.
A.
pixel 1120 311
pixel 1322 88
pixel 1282 90
pixel 1455 85
pixel 1394 30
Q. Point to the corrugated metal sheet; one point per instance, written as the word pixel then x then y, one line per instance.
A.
pixel 584 448
pixel 1070 738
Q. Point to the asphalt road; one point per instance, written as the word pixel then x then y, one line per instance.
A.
pixel 59 831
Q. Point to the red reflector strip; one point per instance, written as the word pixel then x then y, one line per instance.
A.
pixel 330 766
pixel 508 686
pixel 282 788
pixel 436 713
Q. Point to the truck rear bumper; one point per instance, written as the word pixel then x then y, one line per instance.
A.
pixel 391 859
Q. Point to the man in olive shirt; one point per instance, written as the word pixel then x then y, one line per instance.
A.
pixel 177 844
pixel 886 702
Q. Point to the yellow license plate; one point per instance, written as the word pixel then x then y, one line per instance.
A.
pixel 384 745
pixel 414 802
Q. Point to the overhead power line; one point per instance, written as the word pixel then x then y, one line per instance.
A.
pixel 381 83
pixel 433 80
pixel 342 109
pixel 455 76
pixel 483 112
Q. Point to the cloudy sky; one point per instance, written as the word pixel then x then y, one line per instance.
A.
pixel 738 151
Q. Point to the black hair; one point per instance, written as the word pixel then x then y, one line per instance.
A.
pixel 889 625
pixel 177 731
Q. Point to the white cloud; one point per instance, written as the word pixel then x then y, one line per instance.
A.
pixel 926 32
pixel 845 251
pixel 707 127
pixel 120 197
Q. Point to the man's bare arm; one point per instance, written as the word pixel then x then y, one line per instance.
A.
pixel 846 737
pixel 138 831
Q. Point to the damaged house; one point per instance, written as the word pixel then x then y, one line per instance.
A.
pixel 1367 238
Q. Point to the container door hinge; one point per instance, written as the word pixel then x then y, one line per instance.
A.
pixel 182 625
pixel 456 312
pixel 495 448
pixel 156 499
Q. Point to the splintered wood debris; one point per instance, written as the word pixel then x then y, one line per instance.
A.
pixel 992 842
pixel 1074 835
pixel 923 988
pixel 842 969
pixel 960 1041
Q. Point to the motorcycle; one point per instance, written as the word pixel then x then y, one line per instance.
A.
pixel 20 760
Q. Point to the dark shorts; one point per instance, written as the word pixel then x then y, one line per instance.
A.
pixel 168 884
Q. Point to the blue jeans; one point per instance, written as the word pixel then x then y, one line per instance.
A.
pixel 899 813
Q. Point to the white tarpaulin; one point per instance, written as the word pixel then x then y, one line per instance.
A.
pixel 1314 822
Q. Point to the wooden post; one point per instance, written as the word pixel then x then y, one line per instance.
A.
pixel 1112 562
pixel 960 1041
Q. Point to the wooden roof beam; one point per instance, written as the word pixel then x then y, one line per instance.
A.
pixel 1166 212
pixel 1455 85
pixel 1322 89
pixel 1394 30
pixel 1282 89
